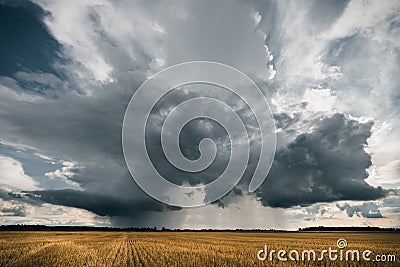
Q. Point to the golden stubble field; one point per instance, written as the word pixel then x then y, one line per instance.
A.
pixel 182 248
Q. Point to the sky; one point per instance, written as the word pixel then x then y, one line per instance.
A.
pixel 329 69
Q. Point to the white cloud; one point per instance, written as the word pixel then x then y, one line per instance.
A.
pixel 10 91
pixel 12 175
pixel 387 176
pixel 66 24
pixel 15 209
pixel 364 16
pixel 383 145
pixel 68 171
pixel 60 215
pixel 319 100
pixel 155 65
pixel 105 41
pixel 257 18
pixel 14 212
pixel 46 158
pixel 42 78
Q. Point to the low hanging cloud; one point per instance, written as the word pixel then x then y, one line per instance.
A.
pixel 327 164
pixel 98 203
pixel 366 210
pixel 13 209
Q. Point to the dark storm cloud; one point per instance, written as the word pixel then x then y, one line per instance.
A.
pixel 193 132
pixel 366 210
pixel 327 164
pixel 101 204
pixel 25 44
pixel 83 130
pixel 8 195
pixel 90 134
pixel 101 170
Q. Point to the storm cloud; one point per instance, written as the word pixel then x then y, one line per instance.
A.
pixel 327 164
pixel 98 203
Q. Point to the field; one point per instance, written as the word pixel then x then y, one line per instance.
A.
pixel 185 248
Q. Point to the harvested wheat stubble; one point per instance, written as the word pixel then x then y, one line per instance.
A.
pixel 181 248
